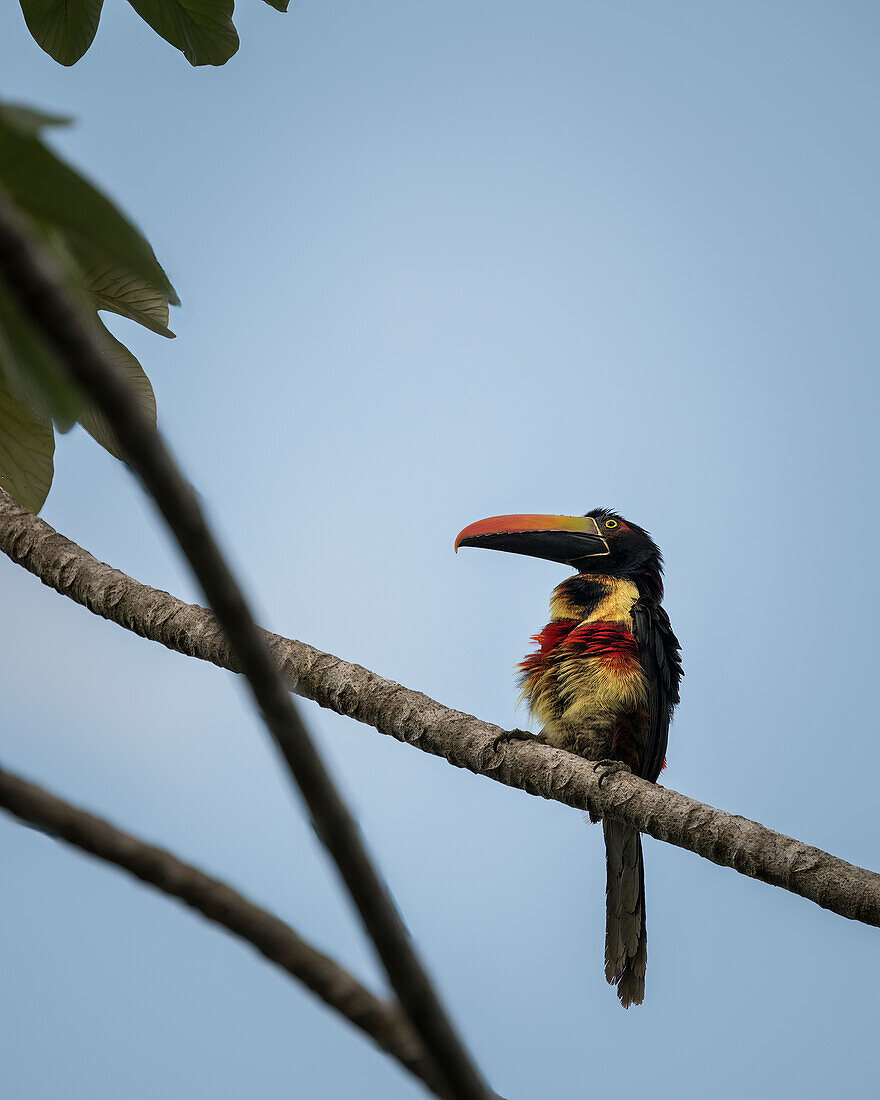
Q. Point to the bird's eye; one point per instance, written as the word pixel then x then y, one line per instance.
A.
pixel 611 523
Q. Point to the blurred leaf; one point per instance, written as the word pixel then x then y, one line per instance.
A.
pixel 63 28
pixel 27 444
pixel 95 423
pixel 27 121
pixel 56 196
pixel 32 371
pixel 278 5
pixel 202 29
pixel 120 291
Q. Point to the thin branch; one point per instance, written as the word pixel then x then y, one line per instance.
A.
pixel 39 289
pixel 465 741
pixel 381 1021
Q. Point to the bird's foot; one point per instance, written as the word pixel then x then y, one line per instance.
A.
pixel 516 735
pixel 606 768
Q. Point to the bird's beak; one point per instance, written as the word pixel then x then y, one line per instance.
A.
pixel 564 539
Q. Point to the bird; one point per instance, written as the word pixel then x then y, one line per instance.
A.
pixel 603 683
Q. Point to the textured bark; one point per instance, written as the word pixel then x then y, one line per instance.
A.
pixel 381 1021
pixel 465 741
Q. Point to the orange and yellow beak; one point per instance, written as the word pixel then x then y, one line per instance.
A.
pixel 564 539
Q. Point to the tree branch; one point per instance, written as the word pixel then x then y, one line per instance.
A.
pixel 384 1023
pixel 40 290
pixel 465 741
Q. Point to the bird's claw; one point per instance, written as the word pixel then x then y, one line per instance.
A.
pixel 606 768
pixel 515 735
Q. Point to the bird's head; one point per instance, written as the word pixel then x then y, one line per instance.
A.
pixel 601 543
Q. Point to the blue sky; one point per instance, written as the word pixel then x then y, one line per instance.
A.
pixel 439 262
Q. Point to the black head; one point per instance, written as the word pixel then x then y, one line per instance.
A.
pixel 633 553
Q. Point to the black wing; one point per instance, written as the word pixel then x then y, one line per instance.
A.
pixel 660 658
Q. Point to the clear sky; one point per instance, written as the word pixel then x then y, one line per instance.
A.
pixel 439 262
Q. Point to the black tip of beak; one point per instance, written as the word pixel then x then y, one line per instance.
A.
pixel 564 547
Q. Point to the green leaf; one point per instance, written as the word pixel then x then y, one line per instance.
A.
pixel 202 29
pixel 278 5
pixel 95 423
pixel 121 291
pixel 107 264
pixel 32 371
pixel 27 444
pixel 52 193
pixel 63 28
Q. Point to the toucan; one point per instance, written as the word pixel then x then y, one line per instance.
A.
pixel 603 683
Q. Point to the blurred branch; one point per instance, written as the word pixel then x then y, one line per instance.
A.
pixel 38 287
pixel 382 1021
pixel 465 741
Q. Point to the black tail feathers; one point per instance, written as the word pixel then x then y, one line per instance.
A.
pixel 626 938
